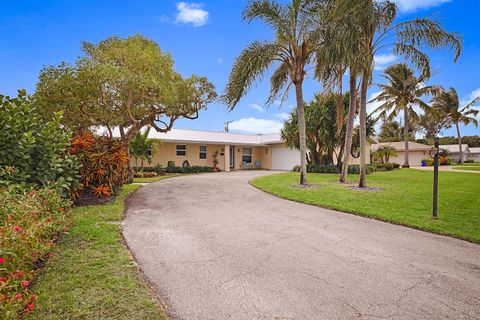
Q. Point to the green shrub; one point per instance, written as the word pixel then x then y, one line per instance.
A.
pixel 193 169
pixel 30 222
pixel 385 166
pixel 34 152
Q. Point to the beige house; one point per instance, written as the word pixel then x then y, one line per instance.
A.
pixel 474 154
pixel 234 151
pixel 454 151
pixel 416 152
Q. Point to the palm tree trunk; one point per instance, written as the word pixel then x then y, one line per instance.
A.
pixel 362 181
pixel 405 134
pixel 352 108
pixel 460 151
pixel 141 163
pixel 301 132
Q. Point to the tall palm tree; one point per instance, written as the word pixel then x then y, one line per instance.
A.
pixel 298 37
pixel 375 19
pixel 402 92
pixel 448 102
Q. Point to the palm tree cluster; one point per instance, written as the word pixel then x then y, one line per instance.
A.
pixel 332 37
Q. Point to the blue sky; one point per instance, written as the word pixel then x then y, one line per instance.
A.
pixel 204 38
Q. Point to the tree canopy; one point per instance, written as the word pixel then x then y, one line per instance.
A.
pixel 124 83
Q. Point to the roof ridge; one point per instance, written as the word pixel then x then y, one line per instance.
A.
pixel 224 132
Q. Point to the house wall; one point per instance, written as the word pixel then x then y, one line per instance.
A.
pixel 415 157
pixel 166 151
pixel 474 157
pixel 455 156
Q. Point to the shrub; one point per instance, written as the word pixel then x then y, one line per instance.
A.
pixel 194 169
pixel 385 166
pixel 145 174
pixel 30 221
pixel 33 151
pixel 105 165
pixel 352 169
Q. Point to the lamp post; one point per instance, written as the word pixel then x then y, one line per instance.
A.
pixel 435 178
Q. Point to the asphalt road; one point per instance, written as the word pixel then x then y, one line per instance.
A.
pixel 215 247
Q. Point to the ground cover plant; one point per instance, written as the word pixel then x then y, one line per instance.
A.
pixel 405 198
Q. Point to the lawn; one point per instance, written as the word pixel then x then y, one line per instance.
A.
pixel 92 274
pixel 470 168
pixel 406 198
pixel 157 178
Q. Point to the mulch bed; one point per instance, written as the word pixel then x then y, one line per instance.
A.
pixel 307 186
pixel 369 189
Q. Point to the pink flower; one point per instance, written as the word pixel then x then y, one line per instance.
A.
pixel 2 260
pixel 3 279
pixel 25 283
pixel 17 296
pixel 17 229
pixel 30 307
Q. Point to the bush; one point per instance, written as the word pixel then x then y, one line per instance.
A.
pixel 30 221
pixel 194 169
pixel 385 166
pixel 145 174
pixel 105 165
pixel 34 152
pixel 352 169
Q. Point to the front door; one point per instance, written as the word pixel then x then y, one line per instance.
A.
pixel 232 157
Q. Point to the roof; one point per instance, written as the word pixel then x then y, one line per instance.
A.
pixel 474 150
pixel 453 148
pixel 400 146
pixel 213 137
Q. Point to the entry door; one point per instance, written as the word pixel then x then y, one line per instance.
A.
pixel 232 157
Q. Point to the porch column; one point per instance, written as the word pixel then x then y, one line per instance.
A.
pixel 226 153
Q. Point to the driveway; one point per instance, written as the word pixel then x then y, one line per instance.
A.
pixel 215 247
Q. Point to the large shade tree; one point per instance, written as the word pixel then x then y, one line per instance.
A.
pixel 124 83
pixel 402 92
pixel 448 102
pixel 375 20
pixel 297 37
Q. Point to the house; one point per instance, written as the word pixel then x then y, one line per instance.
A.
pixel 416 152
pixel 454 151
pixel 234 151
pixel 474 154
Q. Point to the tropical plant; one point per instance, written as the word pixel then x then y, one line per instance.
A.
pixel 401 94
pixel 122 82
pixel 383 153
pixel 450 104
pixel 105 165
pixel 297 38
pixel 432 122
pixel 375 20
pixel 141 147
pixel 35 151
pixel 321 124
pixel 393 131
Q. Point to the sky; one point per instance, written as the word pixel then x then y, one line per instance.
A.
pixel 204 38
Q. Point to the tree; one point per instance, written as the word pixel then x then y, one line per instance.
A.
pixel 384 153
pixel 375 21
pixel 297 38
pixel 141 147
pixel 124 83
pixel 448 102
pixel 321 123
pixel 432 122
pixel 402 92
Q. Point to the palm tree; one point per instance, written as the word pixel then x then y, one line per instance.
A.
pixel 297 39
pixel 448 102
pixel 141 147
pixel 385 152
pixel 432 122
pixel 375 20
pixel 402 92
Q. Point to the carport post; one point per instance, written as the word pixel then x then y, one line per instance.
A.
pixel 435 178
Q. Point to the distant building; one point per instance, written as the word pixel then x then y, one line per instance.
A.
pixel 454 151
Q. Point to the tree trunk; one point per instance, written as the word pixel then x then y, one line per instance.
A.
pixel 362 181
pixel 352 108
pixel 460 151
pixel 301 131
pixel 141 163
pixel 406 164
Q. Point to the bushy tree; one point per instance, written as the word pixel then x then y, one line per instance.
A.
pixel 141 147
pixel 35 151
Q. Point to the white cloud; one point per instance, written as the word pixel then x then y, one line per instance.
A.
pixel 373 105
pixel 191 13
pixel 474 94
pixel 220 60
pixel 255 125
pixel 257 107
pixel 282 115
pixel 383 60
pixel 163 18
pixel 413 5
pixel 277 102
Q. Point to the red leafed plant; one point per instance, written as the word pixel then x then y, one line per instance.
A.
pixel 105 164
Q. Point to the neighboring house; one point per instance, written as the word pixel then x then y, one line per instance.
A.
pixel 454 151
pixel 235 151
pixel 416 152
pixel 474 154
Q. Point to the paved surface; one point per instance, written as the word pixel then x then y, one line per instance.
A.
pixel 217 248
pixel 446 168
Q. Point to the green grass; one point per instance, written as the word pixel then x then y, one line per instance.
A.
pixel 153 179
pixel 406 198
pixel 463 167
pixel 92 274
pixel 468 164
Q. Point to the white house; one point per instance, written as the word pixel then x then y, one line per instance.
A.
pixel 454 151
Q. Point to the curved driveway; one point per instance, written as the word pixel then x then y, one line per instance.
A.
pixel 215 247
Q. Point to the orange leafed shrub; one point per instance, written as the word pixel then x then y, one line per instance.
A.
pixel 105 164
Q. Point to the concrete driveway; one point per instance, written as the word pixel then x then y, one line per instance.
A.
pixel 215 247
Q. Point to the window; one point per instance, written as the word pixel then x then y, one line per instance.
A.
pixel 203 152
pixel 181 150
pixel 247 155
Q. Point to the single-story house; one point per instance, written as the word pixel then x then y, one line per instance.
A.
pixel 474 154
pixel 234 151
pixel 454 151
pixel 416 152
